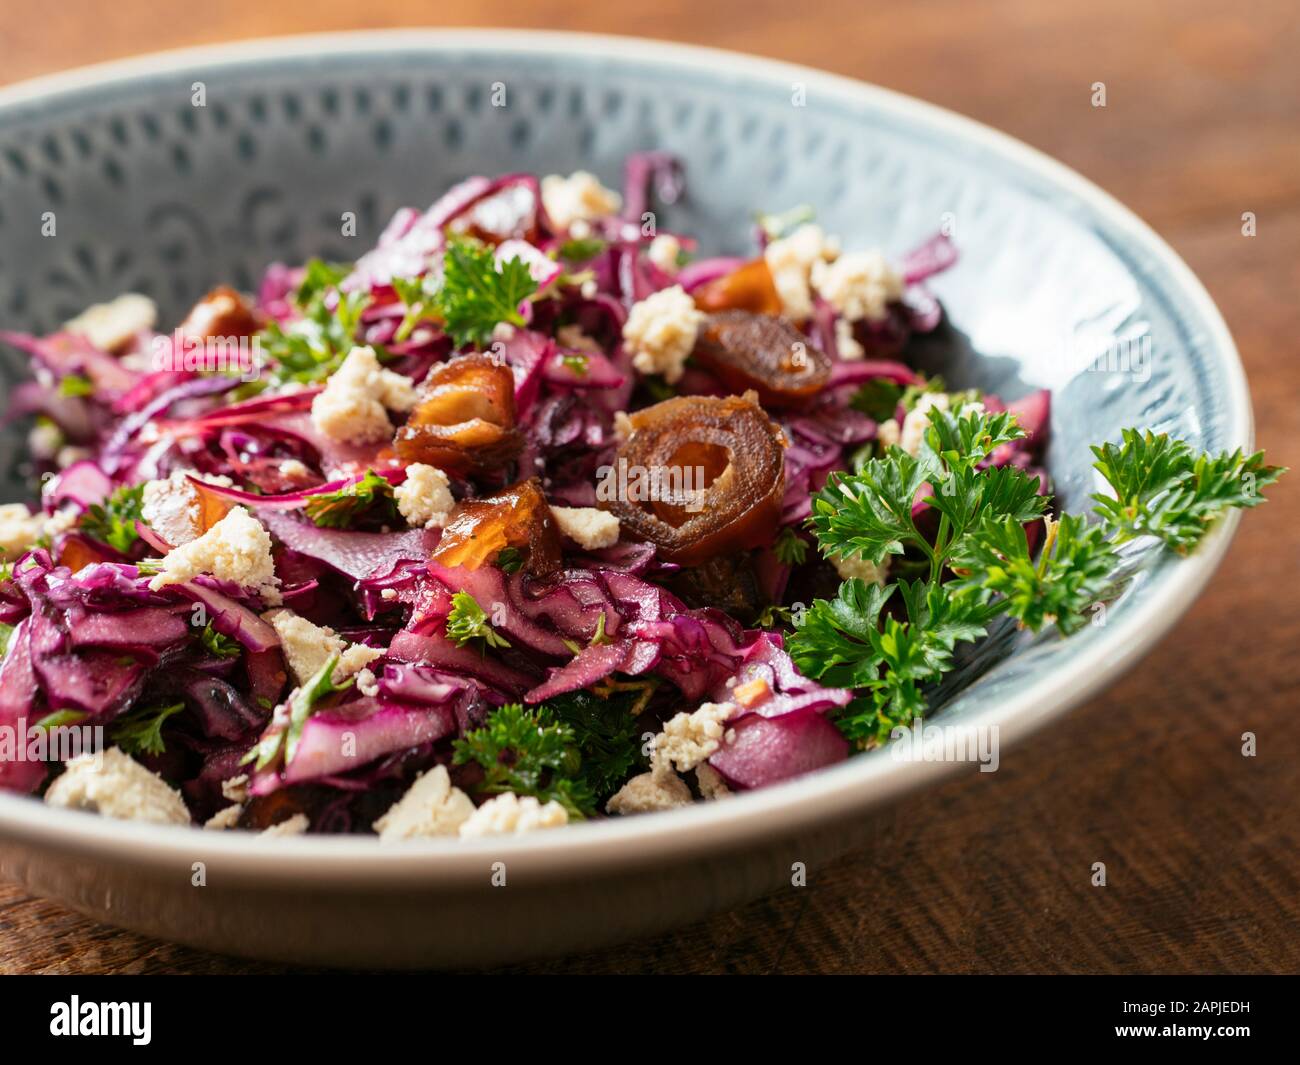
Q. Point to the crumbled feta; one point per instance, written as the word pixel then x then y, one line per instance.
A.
pixel 235 788
pixel 858 285
pixel 660 332
pixel 424 498
pixel 622 425
pixel 791 260
pixel 70 454
pixel 44 440
pixel 307 647
pixel 688 739
pixel 235 549
pixel 292 826
pixel 354 406
pixel 60 522
pixel 172 507
pixel 367 683
pixel 849 568
pixel 113 325
pixel 119 787
pixel 917 420
pixel 19 529
pixel 388 593
pixel 294 469
pixel 663 252
pixel 224 819
pixel 572 336
pixel 508 814
pixel 430 807
pixel 846 343
pixel 580 197
pixel 712 786
pixel 649 792
pixel 589 528
pixel 888 432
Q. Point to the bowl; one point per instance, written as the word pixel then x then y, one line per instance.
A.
pixel 171 173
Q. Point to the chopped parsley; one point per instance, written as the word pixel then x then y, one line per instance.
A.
pixel 113 521
pixel 76 385
pixel 371 496
pixel 219 644
pixel 309 349
pixel 140 730
pixel 579 250
pixel 478 293
pixel 790 548
pixel 468 622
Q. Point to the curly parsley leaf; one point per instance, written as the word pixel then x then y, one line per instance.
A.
pixel 869 514
pixel 832 641
pixel 370 496
pixel 790 548
pixel 528 751
pixel 579 250
pixel 468 621
pixel 308 349
pixel 606 734
pixel 1071 573
pixel 478 293
pixel 419 294
pixel 113 521
pixel 219 644
pixel 140 730
pixel 1163 489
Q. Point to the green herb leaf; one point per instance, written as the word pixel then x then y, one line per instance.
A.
pixel 219 644
pixel 869 514
pixel 1163 489
pixel 309 349
pixel 140 730
pixel 478 293
pixel 606 734
pixel 468 621
pixel 1071 573
pixel 419 294
pixel 528 752
pixel 371 496
pixel 790 548
pixel 76 385
pixel 580 250
pixel 61 718
pixel 113 522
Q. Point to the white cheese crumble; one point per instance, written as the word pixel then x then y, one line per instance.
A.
pixel 112 325
pixel 44 440
pixel 19 529
pixel 235 549
pixel 508 814
pixel 712 786
pixel 354 406
pixel 589 528
pixel 663 252
pixel 660 332
pixel 858 285
pixel 847 344
pixel 224 819
pixel 572 336
pixel 580 197
pixel 367 683
pixel 791 260
pixel 235 788
pixel 424 498
pixel 430 807
pixel 172 508
pixel 292 826
pixel 294 468
pixel 688 739
pixel 849 568
pixel 649 792
pixel 120 787
pixel 307 647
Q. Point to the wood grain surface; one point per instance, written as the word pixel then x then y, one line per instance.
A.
pixel 990 873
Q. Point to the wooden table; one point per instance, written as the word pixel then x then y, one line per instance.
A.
pixel 990 873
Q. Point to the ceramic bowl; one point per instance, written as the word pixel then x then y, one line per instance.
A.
pixel 154 194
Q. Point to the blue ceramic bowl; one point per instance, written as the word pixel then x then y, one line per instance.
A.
pixel 154 194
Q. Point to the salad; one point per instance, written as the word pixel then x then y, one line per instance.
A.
pixel 529 515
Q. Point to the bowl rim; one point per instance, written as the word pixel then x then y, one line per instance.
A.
pixel 781 811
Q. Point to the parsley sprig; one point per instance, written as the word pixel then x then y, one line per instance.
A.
pixel 140 730
pixel 530 752
pixel 113 521
pixel 309 349
pixel 978 560
pixel 468 622
pixel 478 293
pixel 370 496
